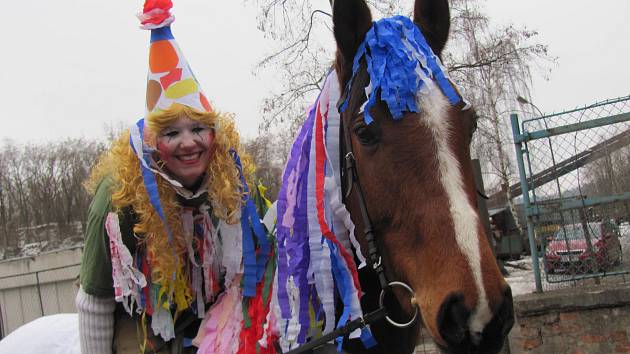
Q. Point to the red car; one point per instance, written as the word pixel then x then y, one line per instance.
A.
pixel 567 250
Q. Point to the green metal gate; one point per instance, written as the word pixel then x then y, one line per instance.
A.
pixel 574 172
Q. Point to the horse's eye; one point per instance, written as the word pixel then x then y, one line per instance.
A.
pixel 368 134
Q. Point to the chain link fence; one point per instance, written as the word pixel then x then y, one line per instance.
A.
pixel 575 184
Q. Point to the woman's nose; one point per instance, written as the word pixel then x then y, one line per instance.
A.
pixel 188 140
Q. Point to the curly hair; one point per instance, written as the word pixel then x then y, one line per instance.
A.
pixel 225 190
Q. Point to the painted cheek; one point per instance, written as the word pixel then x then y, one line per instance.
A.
pixel 207 139
pixel 163 150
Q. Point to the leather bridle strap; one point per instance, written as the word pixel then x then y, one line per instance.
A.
pixel 339 332
pixel 349 168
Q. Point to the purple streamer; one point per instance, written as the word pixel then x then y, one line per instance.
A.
pixel 289 179
pixel 297 245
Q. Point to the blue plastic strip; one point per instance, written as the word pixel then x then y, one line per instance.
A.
pixel 367 339
pixel 143 298
pixel 342 279
pixel 150 183
pixel 393 65
pixel 251 226
pixel 432 61
pixel 161 34
pixel 249 259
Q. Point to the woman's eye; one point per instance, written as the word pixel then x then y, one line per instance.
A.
pixel 170 134
pixel 198 129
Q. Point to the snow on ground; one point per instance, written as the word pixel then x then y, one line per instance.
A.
pixel 624 229
pixel 521 280
pixel 34 240
pixel 56 334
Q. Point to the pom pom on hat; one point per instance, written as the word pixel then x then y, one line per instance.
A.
pixel 156 14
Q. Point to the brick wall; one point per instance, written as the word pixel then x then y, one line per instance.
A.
pixel 575 320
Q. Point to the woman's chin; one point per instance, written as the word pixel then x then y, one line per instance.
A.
pixel 191 182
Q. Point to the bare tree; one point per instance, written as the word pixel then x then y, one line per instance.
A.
pixel 268 157
pixel 492 65
pixel 41 189
pixel 303 55
pixel 4 212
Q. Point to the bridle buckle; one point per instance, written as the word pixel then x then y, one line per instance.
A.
pixel 377 264
pixel 350 159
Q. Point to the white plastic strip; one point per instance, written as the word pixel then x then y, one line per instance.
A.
pixel 127 279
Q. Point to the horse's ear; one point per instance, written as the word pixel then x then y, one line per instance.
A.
pixel 434 19
pixel 351 21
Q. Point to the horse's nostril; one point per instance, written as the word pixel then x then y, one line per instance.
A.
pixel 452 320
pixel 476 337
pixel 497 329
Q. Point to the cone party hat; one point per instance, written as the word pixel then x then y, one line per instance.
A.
pixel 170 79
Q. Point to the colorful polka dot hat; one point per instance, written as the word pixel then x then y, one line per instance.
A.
pixel 170 78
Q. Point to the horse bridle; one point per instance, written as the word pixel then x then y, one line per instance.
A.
pixel 351 178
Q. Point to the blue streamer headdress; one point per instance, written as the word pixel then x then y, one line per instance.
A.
pixel 400 64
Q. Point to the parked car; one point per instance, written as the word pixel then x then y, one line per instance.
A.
pixel 567 250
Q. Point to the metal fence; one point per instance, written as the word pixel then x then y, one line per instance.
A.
pixel 27 296
pixel 574 171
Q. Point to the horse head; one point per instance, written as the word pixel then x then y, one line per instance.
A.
pixel 415 171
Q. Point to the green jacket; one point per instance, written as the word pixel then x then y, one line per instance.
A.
pixel 96 266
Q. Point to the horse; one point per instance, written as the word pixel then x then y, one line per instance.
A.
pixel 407 182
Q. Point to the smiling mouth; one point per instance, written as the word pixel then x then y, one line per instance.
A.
pixel 189 158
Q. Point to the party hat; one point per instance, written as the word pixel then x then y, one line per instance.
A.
pixel 170 79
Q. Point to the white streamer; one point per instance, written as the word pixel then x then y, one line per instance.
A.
pixel 127 279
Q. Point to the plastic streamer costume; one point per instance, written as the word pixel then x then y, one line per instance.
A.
pixel 315 234
pixel 224 253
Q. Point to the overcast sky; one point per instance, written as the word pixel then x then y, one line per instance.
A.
pixel 68 67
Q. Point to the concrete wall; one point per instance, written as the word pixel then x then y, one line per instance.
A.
pixel 574 320
pixel 23 300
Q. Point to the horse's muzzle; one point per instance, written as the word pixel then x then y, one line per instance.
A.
pixel 453 321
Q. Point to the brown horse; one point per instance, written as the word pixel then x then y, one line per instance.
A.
pixel 419 190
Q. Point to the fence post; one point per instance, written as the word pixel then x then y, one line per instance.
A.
pixel 518 145
pixel 39 293
pixel 1 323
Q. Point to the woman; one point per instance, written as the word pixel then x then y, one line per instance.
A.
pixel 174 248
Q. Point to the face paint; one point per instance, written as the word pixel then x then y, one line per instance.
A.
pixel 185 148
